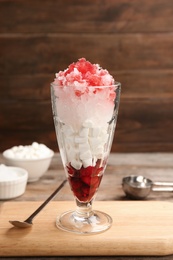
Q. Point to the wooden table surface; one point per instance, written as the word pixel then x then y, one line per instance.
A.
pixel 156 166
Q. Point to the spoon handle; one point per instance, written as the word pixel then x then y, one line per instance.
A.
pixel 165 189
pixel 30 218
pixel 163 183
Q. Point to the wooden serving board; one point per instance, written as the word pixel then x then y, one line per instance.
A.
pixel 139 228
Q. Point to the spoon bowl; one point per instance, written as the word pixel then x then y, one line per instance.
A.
pixel 28 222
pixel 137 187
pixel 20 224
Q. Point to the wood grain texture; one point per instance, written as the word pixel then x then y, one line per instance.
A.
pixel 32 54
pixel 101 16
pixel 156 166
pixel 132 39
pixel 149 224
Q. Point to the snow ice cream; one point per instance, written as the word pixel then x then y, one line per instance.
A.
pixel 83 100
pixel 8 173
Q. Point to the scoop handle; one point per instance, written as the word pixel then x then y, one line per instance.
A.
pixel 163 183
pixel 163 188
pixel 30 218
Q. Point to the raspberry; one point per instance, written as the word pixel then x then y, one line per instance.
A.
pixel 85 182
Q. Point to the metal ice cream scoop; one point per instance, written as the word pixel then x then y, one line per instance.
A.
pixel 139 187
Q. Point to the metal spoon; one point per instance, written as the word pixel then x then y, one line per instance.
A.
pixel 28 221
pixel 139 187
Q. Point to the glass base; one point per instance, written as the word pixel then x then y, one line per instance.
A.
pixel 96 222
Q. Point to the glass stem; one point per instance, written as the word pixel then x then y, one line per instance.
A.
pixel 83 210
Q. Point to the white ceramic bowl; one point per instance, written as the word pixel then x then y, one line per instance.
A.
pixel 10 189
pixel 35 167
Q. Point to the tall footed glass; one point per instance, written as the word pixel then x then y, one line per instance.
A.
pixel 85 122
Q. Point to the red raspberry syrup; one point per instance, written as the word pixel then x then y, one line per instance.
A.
pixel 83 73
pixel 85 182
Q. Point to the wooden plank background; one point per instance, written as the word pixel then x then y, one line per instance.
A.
pixel 133 39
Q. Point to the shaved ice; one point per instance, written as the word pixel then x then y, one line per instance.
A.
pixel 83 101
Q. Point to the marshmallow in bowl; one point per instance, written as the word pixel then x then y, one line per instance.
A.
pixel 33 151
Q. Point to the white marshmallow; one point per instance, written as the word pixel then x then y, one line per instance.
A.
pixel 88 124
pixel 87 162
pixel 68 130
pixel 94 142
pixel 14 149
pixel 71 156
pixel 85 155
pixel 84 132
pixel 35 145
pixel 10 153
pixel 76 164
pixel 99 150
pixel 70 140
pixel 80 140
pixel 83 147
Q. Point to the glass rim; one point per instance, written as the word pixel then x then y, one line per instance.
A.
pixel 116 84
